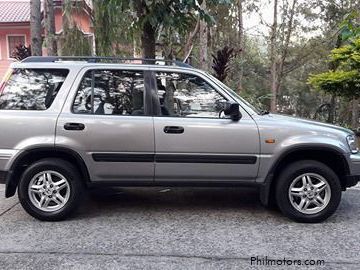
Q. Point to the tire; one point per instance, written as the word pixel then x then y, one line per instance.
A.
pixel 50 200
pixel 310 201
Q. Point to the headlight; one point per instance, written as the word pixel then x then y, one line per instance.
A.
pixel 352 142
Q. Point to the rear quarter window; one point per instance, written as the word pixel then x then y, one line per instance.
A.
pixel 31 89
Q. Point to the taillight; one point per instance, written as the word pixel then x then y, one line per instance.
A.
pixel 5 79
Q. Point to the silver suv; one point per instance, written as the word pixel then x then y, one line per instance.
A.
pixel 70 123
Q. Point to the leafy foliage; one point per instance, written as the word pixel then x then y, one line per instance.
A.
pixel 348 27
pixel 221 62
pixel 340 82
pixel 143 18
pixel 21 52
pixel 108 16
pixel 348 56
pixel 75 43
pixel 345 80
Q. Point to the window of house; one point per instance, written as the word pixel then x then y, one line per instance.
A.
pixel 186 95
pixel 111 92
pixel 13 42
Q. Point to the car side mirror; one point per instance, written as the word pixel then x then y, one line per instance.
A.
pixel 233 110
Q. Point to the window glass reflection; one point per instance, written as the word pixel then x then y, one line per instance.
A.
pixel 116 92
pixel 32 89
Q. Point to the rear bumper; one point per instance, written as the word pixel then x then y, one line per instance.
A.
pixel 3 176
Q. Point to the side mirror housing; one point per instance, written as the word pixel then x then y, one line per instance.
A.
pixel 233 110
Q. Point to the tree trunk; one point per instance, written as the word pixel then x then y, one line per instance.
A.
pixel 241 43
pixel 332 110
pixel 355 114
pixel 50 28
pixel 333 66
pixel 203 41
pixel 273 60
pixel 286 45
pixel 136 48
pixel 35 27
pixel 189 42
pixel 277 65
pixel 274 87
pixel 148 41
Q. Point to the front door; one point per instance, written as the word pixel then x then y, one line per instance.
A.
pixel 107 121
pixel 194 142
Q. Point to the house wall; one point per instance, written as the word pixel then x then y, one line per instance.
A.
pixel 6 30
pixel 79 17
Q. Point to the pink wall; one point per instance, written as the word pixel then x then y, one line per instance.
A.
pixel 80 17
pixel 13 29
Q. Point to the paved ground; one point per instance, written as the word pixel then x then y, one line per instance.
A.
pixel 176 229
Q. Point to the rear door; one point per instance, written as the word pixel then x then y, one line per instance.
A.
pixel 106 119
pixel 193 140
pixel 30 101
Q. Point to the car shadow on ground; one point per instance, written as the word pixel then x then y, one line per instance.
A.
pixel 108 202
pixel 112 200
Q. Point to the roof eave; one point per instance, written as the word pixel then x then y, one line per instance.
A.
pixel 20 23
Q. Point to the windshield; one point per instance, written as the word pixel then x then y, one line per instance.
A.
pixel 233 93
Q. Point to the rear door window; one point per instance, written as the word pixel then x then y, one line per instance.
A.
pixel 111 92
pixel 31 89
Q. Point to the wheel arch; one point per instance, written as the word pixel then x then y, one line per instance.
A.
pixel 333 158
pixel 29 156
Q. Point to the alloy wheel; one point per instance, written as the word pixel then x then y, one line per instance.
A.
pixel 49 191
pixel 309 193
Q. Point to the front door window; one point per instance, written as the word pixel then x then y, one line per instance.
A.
pixel 186 95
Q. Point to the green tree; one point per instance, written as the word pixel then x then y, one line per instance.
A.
pixel 73 41
pixel 344 60
pixel 344 81
pixel 146 18
pixel 113 25
pixel 50 32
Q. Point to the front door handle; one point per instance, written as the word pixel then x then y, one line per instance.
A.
pixel 173 129
pixel 74 126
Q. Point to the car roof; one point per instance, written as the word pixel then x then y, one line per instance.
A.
pixel 80 62
pixel 96 60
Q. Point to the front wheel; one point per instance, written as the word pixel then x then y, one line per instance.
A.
pixel 50 189
pixel 308 191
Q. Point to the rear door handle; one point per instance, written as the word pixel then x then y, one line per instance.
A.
pixel 74 126
pixel 173 129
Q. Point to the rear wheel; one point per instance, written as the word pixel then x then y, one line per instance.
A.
pixel 50 189
pixel 308 191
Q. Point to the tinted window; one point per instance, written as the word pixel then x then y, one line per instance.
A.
pixel 116 92
pixel 31 89
pixel 187 95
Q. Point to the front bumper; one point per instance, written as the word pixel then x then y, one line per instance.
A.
pixel 354 166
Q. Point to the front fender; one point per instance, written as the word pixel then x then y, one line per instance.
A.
pixel 271 154
pixel 270 163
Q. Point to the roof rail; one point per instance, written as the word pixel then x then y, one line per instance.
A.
pixel 106 59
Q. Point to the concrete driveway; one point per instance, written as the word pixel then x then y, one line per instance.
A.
pixel 176 229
